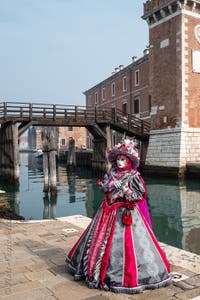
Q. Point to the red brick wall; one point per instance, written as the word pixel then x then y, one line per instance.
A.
pixel 166 78
pixel 165 73
pixel 150 5
pixel 193 105
pixel 78 134
pixel 128 95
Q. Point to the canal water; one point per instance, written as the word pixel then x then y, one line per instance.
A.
pixel 174 205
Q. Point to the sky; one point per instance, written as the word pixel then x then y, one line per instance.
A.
pixel 53 50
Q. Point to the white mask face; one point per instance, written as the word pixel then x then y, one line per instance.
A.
pixel 121 161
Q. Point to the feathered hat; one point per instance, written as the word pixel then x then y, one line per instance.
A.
pixel 126 148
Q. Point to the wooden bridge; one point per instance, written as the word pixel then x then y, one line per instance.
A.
pixel 69 115
pixel 16 117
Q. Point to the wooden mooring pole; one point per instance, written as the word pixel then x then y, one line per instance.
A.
pixel 52 159
pixel 71 157
pixel 49 159
pixel 9 154
pixel 45 150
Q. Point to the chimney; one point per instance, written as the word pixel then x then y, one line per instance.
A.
pixel 146 51
pixel 134 58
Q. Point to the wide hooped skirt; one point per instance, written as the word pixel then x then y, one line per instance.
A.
pixel 118 257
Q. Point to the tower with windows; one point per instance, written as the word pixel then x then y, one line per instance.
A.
pixel 174 82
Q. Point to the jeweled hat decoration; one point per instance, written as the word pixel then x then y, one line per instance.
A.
pixel 127 148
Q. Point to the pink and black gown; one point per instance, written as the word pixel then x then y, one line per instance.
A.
pixel 118 251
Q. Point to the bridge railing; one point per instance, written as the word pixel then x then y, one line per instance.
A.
pixel 39 110
pixel 30 111
pixel 124 119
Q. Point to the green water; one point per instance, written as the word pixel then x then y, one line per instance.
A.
pixel 174 206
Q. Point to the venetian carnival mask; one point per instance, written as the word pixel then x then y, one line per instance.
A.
pixel 122 161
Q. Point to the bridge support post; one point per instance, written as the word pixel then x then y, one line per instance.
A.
pixel 99 159
pixel 101 143
pixel 9 159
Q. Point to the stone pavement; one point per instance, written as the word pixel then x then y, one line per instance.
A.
pixel 32 265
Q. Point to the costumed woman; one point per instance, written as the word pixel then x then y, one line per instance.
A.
pixel 118 251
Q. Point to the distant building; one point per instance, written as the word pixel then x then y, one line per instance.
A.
pixel 77 133
pixel 163 86
pixel 34 137
pixel 23 142
pixel 64 133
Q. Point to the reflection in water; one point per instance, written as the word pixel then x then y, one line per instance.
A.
pixel 93 198
pixel 50 202
pixel 174 205
pixel 190 215
pixel 165 208
pixel 175 211
pixel 71 184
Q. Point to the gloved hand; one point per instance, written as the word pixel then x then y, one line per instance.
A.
pixel 125 189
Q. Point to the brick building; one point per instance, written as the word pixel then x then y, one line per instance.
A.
pixel 127 90
pixel 63 135
pixel 163 86
pixel 77 133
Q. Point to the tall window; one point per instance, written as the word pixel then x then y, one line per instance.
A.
pixel 96 98
pixel 103 93
pixel 137 105
pixel 137 77
pixel 89 102
pixel 113 89
pixel 62 142
pixel 124 84
pixel 124 108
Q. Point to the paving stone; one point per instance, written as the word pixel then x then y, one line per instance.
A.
pixel 50 298
pixel 39 265
pixel 73 290
pixel 189 294
pixel 12 280
pixel 40 275
pixel 39 259
pixel 194 281
pixel 47 251
pixel 20 288
pixel 161 293
pixel 51 283
pixel 23 262
pixel 109 296
pixel 171 298
pixel 183 285
pixel 182 270
pixel 58 260
pixel 38 294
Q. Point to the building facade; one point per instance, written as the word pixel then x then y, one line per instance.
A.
pixel 63 136
pixel 77 133
pixel 126 90
pixel 174 81
pixel 163 86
